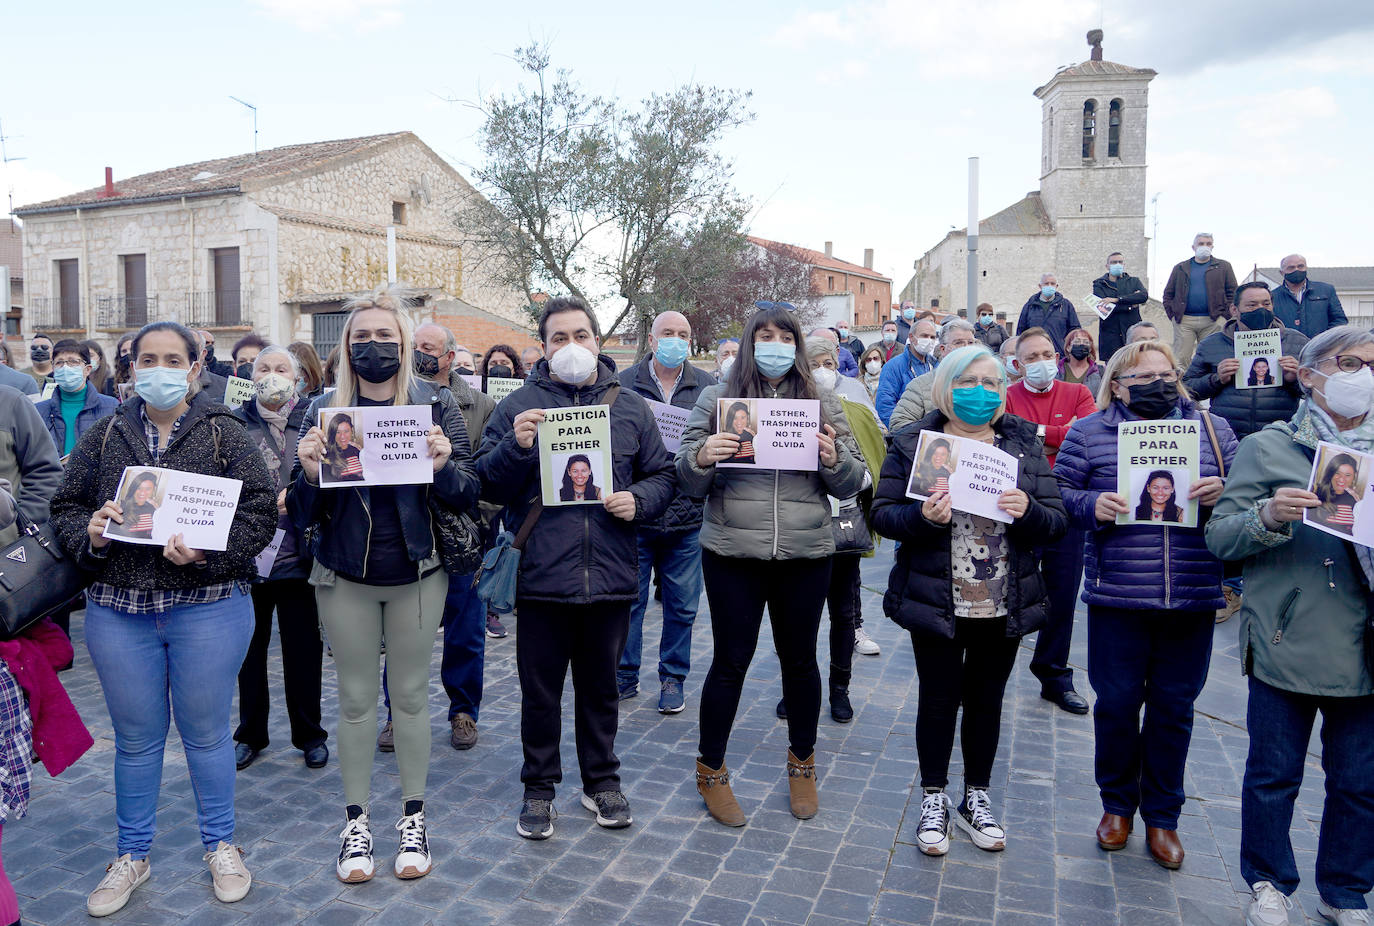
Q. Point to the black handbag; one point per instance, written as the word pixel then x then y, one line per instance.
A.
pixel 37 577
pixel 850 528
pixel 458 537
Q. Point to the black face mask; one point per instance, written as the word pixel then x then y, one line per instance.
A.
pixel 1257 319
pixel 427 365
pixel 40 354
pixel 467 371
pixel 125 361
pixel 375 361
pixel 1153 400
pixel 499 371
pixel 244 371
pixel 1296 276
pixel 210 354
pixel 1080 351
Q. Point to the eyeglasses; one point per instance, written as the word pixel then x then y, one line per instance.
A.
pixel 1348 363
pixel 764 304
pixel 964 382
pixel 1144 379
pixel 59 364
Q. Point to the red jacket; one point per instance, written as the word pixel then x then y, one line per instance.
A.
pixel 59 736
pixel 1056 409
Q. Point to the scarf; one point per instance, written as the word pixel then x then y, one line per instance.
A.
pixel 1316 425
pixel 273 452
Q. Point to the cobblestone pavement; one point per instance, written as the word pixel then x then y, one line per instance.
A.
pixel 854 863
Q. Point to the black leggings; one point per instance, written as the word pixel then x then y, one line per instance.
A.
pixel 972 669
pixel 842 601
pixel 737 590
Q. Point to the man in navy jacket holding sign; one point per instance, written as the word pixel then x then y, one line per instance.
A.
pixel 578 576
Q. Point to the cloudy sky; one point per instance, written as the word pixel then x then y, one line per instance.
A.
pixel 1261 122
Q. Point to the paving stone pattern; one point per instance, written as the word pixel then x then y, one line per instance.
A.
pixel 854 863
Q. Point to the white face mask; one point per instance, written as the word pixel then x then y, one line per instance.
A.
pixel 1353 393
pixel 95 363
pixel 924 346
pixel 1203 251
pixel 726 364
pixel 1040 373
pixel 572 364
pixel 825 378
pixel 889 337
pixel 873 366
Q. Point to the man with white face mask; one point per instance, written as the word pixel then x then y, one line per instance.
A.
pixel 1052 405
pixel 916 401
pixel 578 571
pixel 918 358
pixel 1197 297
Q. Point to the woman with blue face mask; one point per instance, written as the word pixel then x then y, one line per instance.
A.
pixel 766 541
pixel 166 626
pixel 967 588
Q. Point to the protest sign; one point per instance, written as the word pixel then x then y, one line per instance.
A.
pixel 238 390
pixel 376 446
pixel 575 455
pixel 1259 353
pixel 773 433
pixel 1156 464
pixel 1100 306
pixel 498 387
pixel 1343 479
pixel 974 474
pixel 44 394
pixel 472 379
pixel 672 421
pixel 158 503
pixel 268 557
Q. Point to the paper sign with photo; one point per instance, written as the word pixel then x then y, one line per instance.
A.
pixel 773 433
pixel 575 455
pixel 47 392
pixel 158 503
pixel 1100 306
pixel 672 421
pixel 974 474
pixel 268 557
pixel 1156 463
pixel 1343 479
pixel 376 446
pixel 238 390
pixel 498 387
pixel 1259 353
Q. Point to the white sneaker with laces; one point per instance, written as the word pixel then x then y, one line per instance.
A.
pixel 1343 917
pixel 227 870
pixel 412 860
pixel 121 877
pixel 863 644
pixel 1270 906
pixel 932 833
pixel 355 863
pixel 975 818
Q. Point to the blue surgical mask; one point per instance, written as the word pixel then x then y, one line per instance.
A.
pixel 1116 269
pixel 985 320
pixel 774 358
pixel 975 404
pixel 670 352
pixel 1047 291
pixel 909 314
pixel 161 387
pixel 69 379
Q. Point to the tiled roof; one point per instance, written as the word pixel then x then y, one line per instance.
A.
pixel 818 258
pixel 1096 69
pixel 229 174
pixel 1343 278
pixel 12 248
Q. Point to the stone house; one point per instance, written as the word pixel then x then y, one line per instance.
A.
pixel 12 283
pixel 273 242
pixel 853 293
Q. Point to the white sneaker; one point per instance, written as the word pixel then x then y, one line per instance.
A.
pixel 863 645
pixel 227 870
pixel 121 877
pixel 1270 906
pixel 1343 917
pixel 975 818
pixel 413 861
pixel 355 863
pixel 932 834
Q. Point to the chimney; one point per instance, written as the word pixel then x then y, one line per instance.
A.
pixel 109 184
pixel 868 258
pixel 830 249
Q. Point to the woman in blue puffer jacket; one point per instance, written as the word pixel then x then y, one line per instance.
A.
pixel 1152 593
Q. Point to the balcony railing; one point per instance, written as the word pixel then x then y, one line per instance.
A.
pixel 54 312
pixel 217 308
pixel 125 311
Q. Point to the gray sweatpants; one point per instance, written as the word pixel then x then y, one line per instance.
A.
pixel 355 617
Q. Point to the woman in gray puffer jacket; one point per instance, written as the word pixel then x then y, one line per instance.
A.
pixel 766 541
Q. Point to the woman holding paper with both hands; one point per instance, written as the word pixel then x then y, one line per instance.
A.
pixel 966 587
pixel 1152 592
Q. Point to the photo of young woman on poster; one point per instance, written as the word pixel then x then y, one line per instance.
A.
pixel 1159 499
pixel 342 460
pixel 935 468
pixel 1337 510
pixel 140 502
pixel 579 482
pixel 1260 374
pixel 739 420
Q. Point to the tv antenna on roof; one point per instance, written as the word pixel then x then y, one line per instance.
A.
pixel 255 121
pixel 4 152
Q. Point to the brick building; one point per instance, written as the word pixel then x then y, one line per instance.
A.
pixel 853 293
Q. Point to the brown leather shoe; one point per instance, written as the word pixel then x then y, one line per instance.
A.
pixel 801 785
pixel 1113 831
pixel 1164 846
pixel 713 784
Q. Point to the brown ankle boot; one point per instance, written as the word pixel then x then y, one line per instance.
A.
pixel 713 784
pixel 801 783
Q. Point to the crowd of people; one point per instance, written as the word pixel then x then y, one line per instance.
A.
pixel 373 571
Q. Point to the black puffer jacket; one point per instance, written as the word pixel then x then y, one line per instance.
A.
pixel 343 513
pixel 920 588
pixel 577 554
pixel 1246 410
pixel 683 512
pixel 211 442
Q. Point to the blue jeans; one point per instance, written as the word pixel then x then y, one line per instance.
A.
pixel 191 654
pixel 1280 725
pixel 677 557
pixel 465 647
pixel 1157 660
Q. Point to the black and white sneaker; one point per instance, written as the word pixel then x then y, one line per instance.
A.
pixel 355 863
pixel 611 809
pixel 932 833
pixel 976 819
pixel 412 859
pixel 536 819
